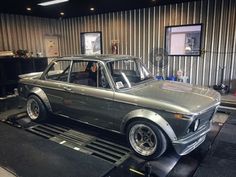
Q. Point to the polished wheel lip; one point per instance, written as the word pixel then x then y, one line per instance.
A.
pixel 33 109
pixel 141 135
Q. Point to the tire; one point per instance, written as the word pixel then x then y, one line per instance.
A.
pixel 36 109
pixel 146 139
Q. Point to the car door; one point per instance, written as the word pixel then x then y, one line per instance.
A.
pixel 91 103
pixel 55 85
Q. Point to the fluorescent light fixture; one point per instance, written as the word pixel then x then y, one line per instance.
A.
pixel 48 3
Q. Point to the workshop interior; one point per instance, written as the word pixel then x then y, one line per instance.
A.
pixel 118 88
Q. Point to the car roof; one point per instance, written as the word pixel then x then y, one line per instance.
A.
pixel 101 57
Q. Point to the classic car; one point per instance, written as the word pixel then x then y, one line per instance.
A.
pixel 118 93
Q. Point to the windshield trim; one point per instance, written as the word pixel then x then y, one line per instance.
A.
pixel 139 64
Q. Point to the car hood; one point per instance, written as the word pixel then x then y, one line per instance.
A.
pixel 177 96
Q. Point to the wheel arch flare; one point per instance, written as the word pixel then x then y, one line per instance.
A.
pixel 42 95
pixel 149 115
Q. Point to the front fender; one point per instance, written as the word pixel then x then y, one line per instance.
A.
pixel 41 94
pixel 151 116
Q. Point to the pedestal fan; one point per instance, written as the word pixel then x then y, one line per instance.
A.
pixel 158 58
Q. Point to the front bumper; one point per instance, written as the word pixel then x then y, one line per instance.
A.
pixel 186 145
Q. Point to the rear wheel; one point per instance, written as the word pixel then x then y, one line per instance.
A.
pixel 36 109
pixel 146 139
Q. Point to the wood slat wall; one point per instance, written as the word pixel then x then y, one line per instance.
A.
pixel 139 32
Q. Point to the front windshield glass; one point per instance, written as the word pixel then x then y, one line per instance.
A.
pixel 127 73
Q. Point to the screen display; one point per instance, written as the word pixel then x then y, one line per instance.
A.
pixel 184 40
pixel 91 43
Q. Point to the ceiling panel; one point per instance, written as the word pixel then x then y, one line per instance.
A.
pixel 75 8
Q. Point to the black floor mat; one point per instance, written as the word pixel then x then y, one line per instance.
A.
pixel 232 119
pixel 225 150
pixel 227 133
pixel 213 162
pixel 214 172
pixel 29 155
pixel 221 160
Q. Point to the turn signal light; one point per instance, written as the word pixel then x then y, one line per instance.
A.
pixel 178 116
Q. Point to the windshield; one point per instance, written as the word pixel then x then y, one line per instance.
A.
pixel 128 72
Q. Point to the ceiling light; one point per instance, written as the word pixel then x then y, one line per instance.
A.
pixel 28 8
pixel 92 9
pixel 48 3
pixel 62 13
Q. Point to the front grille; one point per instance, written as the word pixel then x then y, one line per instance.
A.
pixel 206 116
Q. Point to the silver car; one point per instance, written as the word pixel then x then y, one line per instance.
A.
pixel 118 93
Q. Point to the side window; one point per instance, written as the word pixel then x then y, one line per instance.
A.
pixel 59 71
pixel 79 74
pixel 88 73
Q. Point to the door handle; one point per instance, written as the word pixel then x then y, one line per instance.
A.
pixel 67 88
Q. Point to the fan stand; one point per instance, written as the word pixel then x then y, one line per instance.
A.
pixel 158 58
pixel 222 88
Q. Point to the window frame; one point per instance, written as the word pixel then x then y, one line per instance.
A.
pixel 101 63
pixel 112 67
pixel 43 77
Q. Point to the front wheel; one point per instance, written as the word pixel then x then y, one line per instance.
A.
pixel 146 139
pixel 36 109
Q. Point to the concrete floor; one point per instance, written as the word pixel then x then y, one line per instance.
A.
pixel 220 161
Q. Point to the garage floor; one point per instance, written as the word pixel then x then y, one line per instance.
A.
pixel 221 159
pixel 27 154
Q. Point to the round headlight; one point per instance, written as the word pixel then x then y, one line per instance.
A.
pixel 196 125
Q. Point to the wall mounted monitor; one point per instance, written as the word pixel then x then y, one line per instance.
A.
pixel 184 40
pixel 91 43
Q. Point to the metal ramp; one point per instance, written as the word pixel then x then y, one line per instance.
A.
pixel 106 150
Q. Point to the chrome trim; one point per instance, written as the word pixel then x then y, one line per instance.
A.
pixel 184 114
pixel 62 89
pixel 69 73
pixel 208 108
pixel 126 102
pixel 185 145
pixel 227 107
pixel 193 146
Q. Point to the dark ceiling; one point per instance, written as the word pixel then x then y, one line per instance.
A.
pixel 75 8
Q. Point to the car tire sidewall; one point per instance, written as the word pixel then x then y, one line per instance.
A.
pixel 42 110
pixel 161 139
